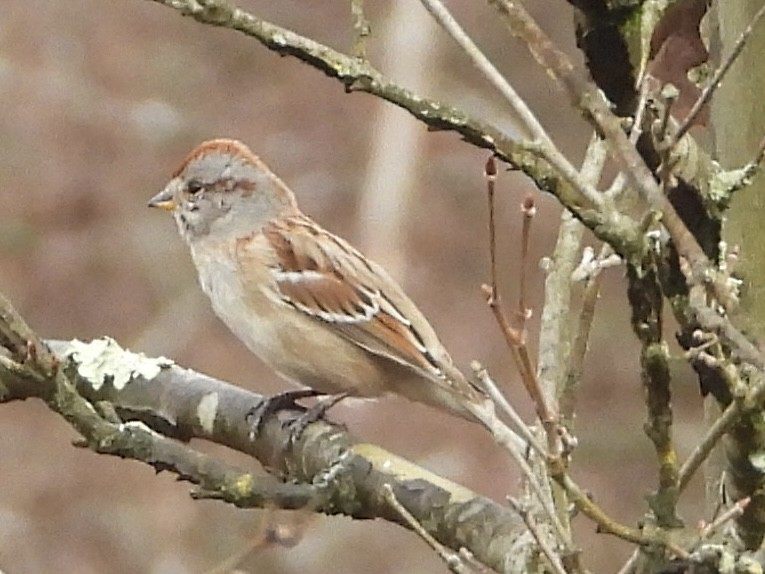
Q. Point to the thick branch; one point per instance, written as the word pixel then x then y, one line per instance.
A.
pixel 333 472
pixel 646 302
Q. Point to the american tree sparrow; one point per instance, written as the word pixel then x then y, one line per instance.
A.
pixel 302 299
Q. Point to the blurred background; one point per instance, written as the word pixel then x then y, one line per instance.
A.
pixel 100 101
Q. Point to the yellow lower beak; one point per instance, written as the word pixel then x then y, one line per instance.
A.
pixel 163 200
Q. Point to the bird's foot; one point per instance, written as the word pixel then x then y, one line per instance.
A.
pixel 316 412
pixel 268 406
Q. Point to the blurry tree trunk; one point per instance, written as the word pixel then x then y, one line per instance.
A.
pixel 738 120
pixel 390 187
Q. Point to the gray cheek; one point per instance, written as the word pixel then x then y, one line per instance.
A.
pixel 205 215
pixel 190 225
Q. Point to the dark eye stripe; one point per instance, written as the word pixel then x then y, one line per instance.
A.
pixel 194 186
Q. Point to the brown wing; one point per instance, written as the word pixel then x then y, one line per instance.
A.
pixel 326 278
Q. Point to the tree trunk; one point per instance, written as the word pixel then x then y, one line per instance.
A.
pixel 738 120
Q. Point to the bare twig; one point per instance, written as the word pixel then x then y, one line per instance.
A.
pixel 752 167
pixel 584 95
pixel 717 77
pixel 361 29
pixel 722 425
pixel 520 353
pixel 474 564
pixel 507 439
pixel 712 321
pixel 732 513
pixel 452 559
pixel 515 344
pixel 668 96
pixel 592 265
pixel 733 180
pixel 760 155
pixel 542 143
pixel 630 565
pixel 554 335
pixel 575 366
pixel 270 533
pixel 531 524
pixel 513 337
pixel 529 210
pixel 617 187
pixel 499 399
pixel 608 525
pixel 577 496
pixel 490 172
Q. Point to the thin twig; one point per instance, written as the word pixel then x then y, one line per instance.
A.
pixel 619 184
pixel 513 337
pixel 585 95
pixel 499 399
pixel 578 497
pixel 269 533
pixel 506 438
pixel 520 353
pixel 743 177
pixel 617 187
pixel 554 332
pixel 593 265
pixel 529 210
pixel 722 425
pixel 528 519
pixel 668 96
pixel 361 29
pixel 452 559
pixel 631 564
pixel 578 352
pixel 608 525
pixel 752 167
pixel 490 172
pixel 473 562
pixel 542 142
pixel 731 514
pixel 717 77
pixel 636 130
pixel 711 320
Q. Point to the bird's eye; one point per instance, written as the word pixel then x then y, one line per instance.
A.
pixel 194 186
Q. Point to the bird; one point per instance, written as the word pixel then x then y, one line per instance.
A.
pixel 306 302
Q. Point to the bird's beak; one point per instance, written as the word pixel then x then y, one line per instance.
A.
pixel 163 200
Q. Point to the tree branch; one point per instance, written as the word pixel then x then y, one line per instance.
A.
pixel 328 470
pixel 358 75
pixel 585 96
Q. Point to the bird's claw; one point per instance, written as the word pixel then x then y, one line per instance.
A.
pixel 268 406
pixel 297 426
